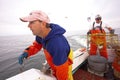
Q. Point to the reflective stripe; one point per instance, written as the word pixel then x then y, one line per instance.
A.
pixel 70 56
pixel 70 76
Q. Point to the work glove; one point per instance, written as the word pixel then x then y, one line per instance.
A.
pixel 22 57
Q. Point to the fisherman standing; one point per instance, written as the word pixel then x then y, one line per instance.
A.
pixel 98 38
pixel 50 37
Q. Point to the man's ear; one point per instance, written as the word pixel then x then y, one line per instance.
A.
pixel 44 23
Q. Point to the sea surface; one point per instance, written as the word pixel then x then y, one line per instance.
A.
pixel 12 46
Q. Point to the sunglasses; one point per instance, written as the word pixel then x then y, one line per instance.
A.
pixel 98 19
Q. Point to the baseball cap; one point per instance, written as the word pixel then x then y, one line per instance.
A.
pixel 98 17
pixel 36 15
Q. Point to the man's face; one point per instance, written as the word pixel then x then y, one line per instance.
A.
pixel 98 20
pixel 36 27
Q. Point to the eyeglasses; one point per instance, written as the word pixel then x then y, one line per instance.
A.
pixel 98 19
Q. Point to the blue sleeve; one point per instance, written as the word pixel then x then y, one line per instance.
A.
pixel 59 49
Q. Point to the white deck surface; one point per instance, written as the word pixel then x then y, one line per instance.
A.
pixel 79 57
pixel 32 74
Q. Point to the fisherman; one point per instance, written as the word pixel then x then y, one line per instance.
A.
pixel 50 37
pixel 98 38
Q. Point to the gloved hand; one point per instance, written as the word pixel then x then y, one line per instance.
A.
pixel 21 57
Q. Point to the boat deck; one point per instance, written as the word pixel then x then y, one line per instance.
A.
pixel 83 74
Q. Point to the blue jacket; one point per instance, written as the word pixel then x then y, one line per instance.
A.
pixel 56 44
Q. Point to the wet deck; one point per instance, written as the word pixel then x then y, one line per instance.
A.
pixel 83 74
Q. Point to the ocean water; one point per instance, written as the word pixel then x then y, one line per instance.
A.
pixel 12 46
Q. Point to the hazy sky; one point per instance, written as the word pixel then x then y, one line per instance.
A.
pixel 71 14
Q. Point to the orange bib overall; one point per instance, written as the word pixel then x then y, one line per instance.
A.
pixel 98 38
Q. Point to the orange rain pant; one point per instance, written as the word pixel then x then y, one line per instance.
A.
pixel 95 40
pixel 64 71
